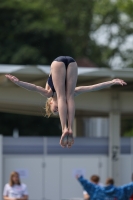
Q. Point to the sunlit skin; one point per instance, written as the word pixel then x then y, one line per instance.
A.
pixel 67 138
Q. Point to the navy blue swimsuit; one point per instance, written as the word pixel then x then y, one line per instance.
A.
pixel 66 60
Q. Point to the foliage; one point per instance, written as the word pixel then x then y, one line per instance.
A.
pixel 128 133
pixel 35 32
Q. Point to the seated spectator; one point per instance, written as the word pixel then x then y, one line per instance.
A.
pixel 15 190
pixel 108 192
pixel 94 179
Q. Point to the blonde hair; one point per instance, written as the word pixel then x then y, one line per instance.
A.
pixel 11 183
pixel 48 108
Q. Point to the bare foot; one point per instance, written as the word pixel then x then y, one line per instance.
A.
pixel 70 140
pixel 64 137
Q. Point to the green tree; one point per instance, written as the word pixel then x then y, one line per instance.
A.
pixel 112 31
pixel 35 32
pixel 31 32
pixel 76 16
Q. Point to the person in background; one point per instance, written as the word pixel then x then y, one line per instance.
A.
pixel 107 192
pixel 15 190
pixel 94 179
pixel 131 198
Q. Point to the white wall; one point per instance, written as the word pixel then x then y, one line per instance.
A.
pixel 53 178
pixel 56 179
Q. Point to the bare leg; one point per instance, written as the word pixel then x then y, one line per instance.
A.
pixel 71 84
pixel 59 75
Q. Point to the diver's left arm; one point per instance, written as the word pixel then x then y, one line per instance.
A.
pixel 83 89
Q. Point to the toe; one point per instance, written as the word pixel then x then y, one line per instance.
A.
pixel 70 139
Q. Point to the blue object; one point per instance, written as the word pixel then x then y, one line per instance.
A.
pixel 110 192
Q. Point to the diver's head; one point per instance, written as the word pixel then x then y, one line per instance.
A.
pixel 51 107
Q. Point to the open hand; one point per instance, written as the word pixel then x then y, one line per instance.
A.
pixel 12 78
pixel 118 82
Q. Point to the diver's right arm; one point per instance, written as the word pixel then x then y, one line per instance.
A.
pixel 29 86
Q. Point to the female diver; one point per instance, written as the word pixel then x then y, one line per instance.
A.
pixel 60 90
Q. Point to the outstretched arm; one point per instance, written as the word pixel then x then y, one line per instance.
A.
pixel 82 89
pixel 28 86
pixel 87 185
